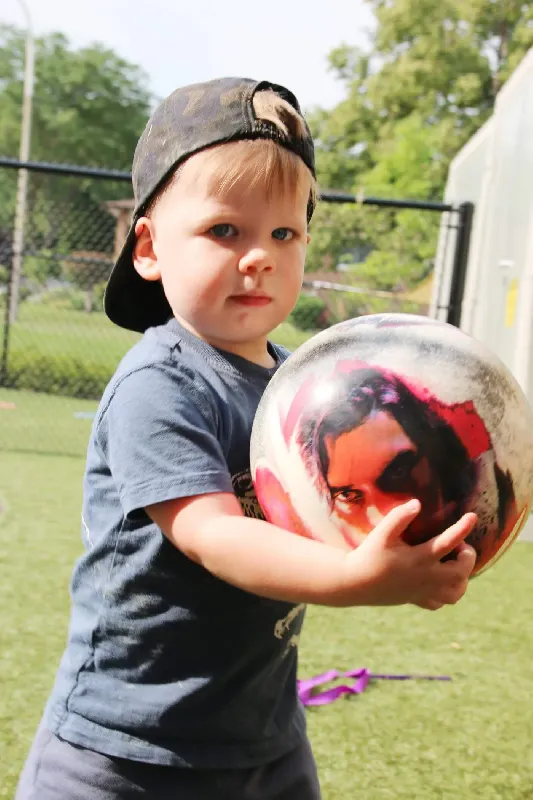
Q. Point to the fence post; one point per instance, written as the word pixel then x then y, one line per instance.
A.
pixel 460 263
pixel 5 337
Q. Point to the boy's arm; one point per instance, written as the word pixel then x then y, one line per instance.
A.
pixel 159 433
pixel 269 561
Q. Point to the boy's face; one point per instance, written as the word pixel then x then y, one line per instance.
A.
pixel 231 263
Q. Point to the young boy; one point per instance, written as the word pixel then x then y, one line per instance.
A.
pixel 179 676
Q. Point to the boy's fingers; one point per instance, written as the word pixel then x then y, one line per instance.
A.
pixel 464 561
pixel 430 605
pixel 451 539
pixel 394 524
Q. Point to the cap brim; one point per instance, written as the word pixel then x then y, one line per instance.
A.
pixel 130 301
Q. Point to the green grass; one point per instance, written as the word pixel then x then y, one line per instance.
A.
pixel 45 423
pixel 54 331
pixel 42 423
pixel 419 740
pixel 52 340
pixel 463 740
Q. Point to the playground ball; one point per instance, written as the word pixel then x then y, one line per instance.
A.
pixel 377 410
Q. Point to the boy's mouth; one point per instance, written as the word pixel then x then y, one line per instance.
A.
pixel 251 299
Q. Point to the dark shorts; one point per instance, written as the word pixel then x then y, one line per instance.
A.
pixel 58 770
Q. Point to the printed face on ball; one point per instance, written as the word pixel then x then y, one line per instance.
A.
pixel 350 439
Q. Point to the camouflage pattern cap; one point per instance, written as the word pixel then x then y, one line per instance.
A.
pixel 191 119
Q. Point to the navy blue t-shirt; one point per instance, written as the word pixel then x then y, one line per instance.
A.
pixel 166 663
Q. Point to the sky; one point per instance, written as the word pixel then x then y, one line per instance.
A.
pixel 184 41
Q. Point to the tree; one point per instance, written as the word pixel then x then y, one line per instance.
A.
pixel 89 105
pixel 428 82
pixel 89 109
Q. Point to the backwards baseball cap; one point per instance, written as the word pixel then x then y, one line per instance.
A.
pixel 191 119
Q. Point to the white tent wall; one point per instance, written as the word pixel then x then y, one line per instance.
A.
pixel 466 179
pixel 495 172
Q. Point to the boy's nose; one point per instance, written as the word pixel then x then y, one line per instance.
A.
pixel 257 259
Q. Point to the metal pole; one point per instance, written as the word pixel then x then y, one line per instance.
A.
pixel 22 184
pixel 460 263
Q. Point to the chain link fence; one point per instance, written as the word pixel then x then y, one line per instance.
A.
pixel 58 241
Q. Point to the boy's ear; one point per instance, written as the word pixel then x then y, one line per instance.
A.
pixel 144 257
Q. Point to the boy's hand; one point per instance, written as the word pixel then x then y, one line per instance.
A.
pixel 388 571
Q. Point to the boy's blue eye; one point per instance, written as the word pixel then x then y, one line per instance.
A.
pixel 282 234
pixel 223 231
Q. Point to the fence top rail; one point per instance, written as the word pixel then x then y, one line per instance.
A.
pixel 332 196
pixel 65 169
pixel 327 195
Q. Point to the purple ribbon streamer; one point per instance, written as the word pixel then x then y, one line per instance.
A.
pixel 362 678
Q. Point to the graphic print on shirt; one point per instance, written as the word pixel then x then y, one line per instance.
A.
pixel 284 628
pixel 245 493
pixel 288 628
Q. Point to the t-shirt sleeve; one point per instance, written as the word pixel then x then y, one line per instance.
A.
pixel 159 436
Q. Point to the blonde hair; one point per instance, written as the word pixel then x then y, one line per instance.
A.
pixel 256 161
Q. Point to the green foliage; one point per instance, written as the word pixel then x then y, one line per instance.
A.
pixel 89 108
pixel 89 105
pixel 98 295
pixel 56 374
pixel 89 274
pixel 406 252
pixel 335 230
pixel 309 313
pixel 410 165
pixel 86 271
pixel 427 83
pixel 42 266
